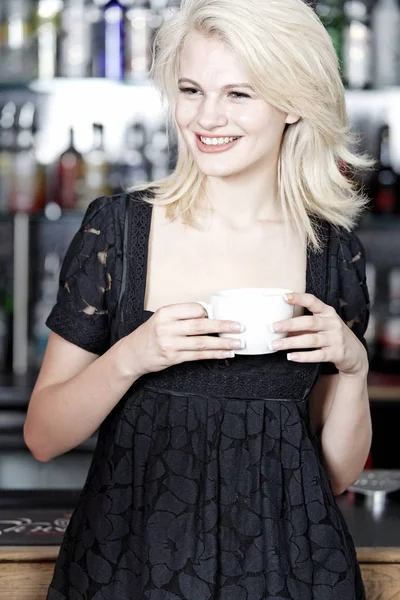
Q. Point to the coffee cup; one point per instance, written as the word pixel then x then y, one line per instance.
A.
pixel 256 309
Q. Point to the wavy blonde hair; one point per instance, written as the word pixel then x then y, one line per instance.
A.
pixel 291 63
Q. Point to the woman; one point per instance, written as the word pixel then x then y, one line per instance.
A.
pixel 214 475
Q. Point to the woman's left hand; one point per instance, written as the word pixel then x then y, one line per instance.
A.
pixel 324 330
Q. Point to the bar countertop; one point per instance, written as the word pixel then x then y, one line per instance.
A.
pixel 34 519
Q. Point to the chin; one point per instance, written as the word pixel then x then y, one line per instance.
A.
pixel 220 172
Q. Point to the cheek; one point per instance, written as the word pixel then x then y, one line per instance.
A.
pixel 184 114
pixel 267 128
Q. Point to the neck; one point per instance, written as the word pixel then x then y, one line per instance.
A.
pixel 242 201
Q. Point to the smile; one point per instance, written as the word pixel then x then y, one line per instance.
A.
pixel 217 141
pixel 215 144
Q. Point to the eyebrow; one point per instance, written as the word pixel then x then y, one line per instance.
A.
pixel 226 87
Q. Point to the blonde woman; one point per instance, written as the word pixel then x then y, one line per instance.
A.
pixel 215 475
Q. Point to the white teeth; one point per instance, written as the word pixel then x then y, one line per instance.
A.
pixel 217 141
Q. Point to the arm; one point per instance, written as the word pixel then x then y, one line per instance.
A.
pixel 339 407
pixel 340 413
pixel 74 393
pixel 76 389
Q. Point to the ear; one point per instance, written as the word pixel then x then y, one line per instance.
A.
pixel 290 119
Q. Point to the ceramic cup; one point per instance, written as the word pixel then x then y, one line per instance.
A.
pixel 256 309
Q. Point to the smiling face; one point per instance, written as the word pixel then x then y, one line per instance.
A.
pixel 214 105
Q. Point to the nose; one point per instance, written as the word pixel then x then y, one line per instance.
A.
pixel 211 114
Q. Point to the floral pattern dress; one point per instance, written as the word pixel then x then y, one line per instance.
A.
pixel 207 482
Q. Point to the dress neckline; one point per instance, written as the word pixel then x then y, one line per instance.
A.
pixel 139 225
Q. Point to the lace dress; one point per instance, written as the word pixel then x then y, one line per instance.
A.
pixel 207 482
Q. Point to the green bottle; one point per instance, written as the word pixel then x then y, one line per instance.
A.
pixel 333 18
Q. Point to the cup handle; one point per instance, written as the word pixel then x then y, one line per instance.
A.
pixel 207 307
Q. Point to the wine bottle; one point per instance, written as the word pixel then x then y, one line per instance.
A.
pixel 26 174
pixel 138 40
pixel 386 48
pixel 332 17
pixel 357 55
pixel 7 153
pixel 113 18
pixel 70 175
pixel 75 40
pixel 136 168
pixel 385 183
pixel 390 331
pixel 95 169
pixel 47 26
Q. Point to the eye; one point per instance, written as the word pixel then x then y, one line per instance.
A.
pixel 240 95
pixel 188 90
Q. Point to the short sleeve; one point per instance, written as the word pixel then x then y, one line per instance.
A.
pixel 350 290
pixel 80 314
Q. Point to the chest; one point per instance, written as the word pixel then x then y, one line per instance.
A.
pixel 185 264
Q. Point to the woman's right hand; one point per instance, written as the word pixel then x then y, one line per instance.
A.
pixel 178 333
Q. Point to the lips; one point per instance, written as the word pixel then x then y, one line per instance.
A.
pixel 206 135
pixel 217 148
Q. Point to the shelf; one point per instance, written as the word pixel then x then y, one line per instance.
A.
pixel 384 393
pixel 60 84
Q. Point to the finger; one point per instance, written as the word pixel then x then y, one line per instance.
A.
pixel 321 355
pixel 314 304
pixel 304 323
pixel 185 310
pixel 203 327
pixel 311 340
pixel 207 343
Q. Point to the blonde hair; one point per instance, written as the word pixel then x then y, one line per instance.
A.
pixel 291 63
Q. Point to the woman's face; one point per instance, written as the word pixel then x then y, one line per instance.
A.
pixel 213 102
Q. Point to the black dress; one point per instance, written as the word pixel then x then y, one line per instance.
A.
pixel 207 482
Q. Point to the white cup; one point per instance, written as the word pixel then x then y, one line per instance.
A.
pixel 256 309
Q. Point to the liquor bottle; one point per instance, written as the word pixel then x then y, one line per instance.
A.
pixel 95 169
pixel 70 170
pixel 19 58
pixel 42 307
pixel 136 168
pixel 25 182
pixel 75 40
pixel 3 41
pixel 332 16
pixel 372 330
pixel 386 48
pixel 390 330
pixel 113 19
pixel 385 183
pixel 47 26
pixel 357 49
pixel 138 39
pixel 7 152
pixel 97 38
pixel 159 153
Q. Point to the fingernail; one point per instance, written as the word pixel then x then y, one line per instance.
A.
pixel 238 327
pixel 288 296
pixel 239 344
pixel 292 356
pixel 274 327
pixel 276 344
pixel 228 354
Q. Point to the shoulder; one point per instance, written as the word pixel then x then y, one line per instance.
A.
pixel 348 254
pixel 346 244
pixel 348 278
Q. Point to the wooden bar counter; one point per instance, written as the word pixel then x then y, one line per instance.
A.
pixel 26 570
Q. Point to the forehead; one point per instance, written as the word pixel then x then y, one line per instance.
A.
pixel 209 60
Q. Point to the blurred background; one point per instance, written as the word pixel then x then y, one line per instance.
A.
pixel 79 119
